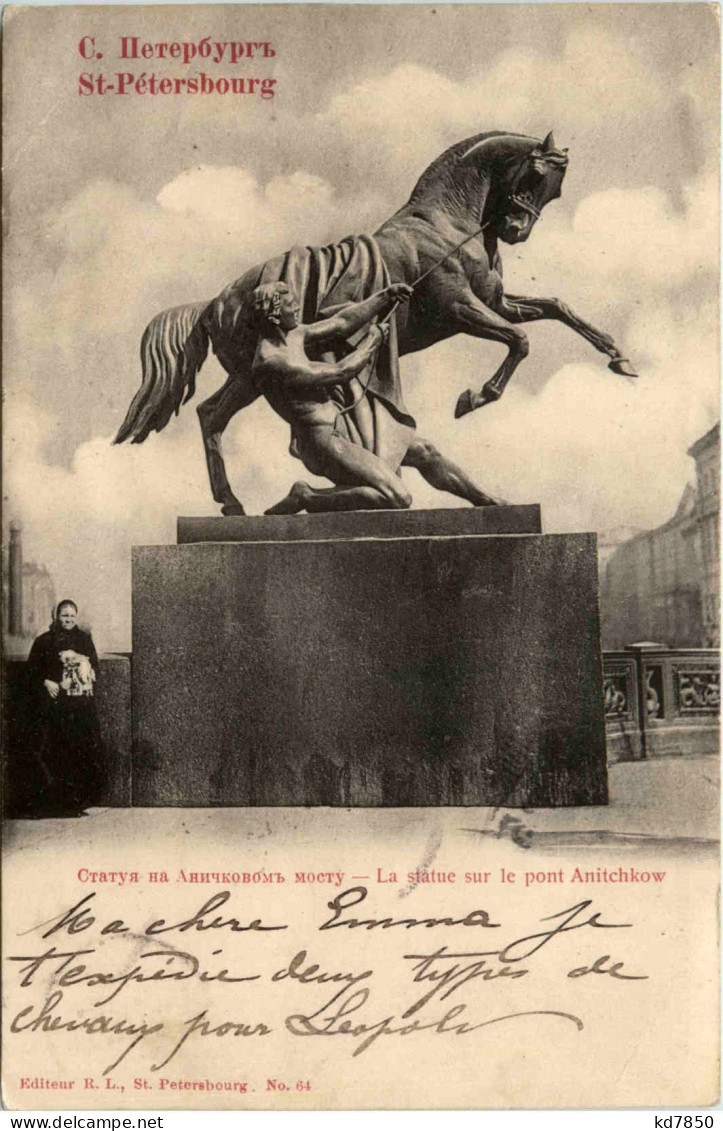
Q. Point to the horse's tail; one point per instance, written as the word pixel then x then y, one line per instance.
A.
pixel 173 349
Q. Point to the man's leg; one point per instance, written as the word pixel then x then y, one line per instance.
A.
pixel 316 500
pixel 443 474
pixel 363 481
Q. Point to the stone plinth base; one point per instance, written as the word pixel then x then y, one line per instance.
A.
pixel 351 525
pixel 369 670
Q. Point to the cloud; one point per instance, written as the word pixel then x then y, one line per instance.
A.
pixel 523 91
pixel 596 450
pixel 83 520
pixel 636 235
pixel 610 78
pixel 232 208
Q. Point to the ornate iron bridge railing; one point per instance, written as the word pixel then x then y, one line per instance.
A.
pixel 661 702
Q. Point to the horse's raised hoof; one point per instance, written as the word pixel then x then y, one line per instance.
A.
pixel 229 509
pixel 622 366
pixel 469 401
pixel 465 404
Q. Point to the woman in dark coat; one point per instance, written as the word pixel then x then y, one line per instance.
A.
pixel 63 670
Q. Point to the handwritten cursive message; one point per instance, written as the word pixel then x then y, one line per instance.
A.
pixel 86 971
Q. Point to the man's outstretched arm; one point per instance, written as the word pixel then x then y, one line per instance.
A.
pixel 316 374
pixel 355 316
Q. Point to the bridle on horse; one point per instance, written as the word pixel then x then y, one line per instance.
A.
pixel 553 157
pixel 525 205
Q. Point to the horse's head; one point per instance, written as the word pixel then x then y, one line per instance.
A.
pixel 501 180
pixel 524 185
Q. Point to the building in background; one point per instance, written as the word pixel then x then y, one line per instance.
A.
pixel 611 540
pixel 28 595
pixel 663 585
pixel 38 599
pixel 706 453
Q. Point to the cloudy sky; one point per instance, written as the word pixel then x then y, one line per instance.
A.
pixel 119 207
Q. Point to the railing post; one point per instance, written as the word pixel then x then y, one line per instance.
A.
pixel 639 652
pixel 642 702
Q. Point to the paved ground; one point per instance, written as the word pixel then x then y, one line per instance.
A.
pixel 664 804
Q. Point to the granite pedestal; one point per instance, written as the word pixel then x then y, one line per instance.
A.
pixel 369 659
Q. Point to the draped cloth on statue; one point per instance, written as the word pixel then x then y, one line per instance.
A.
pixel 326 279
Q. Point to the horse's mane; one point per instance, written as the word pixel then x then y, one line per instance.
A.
pixel 443 169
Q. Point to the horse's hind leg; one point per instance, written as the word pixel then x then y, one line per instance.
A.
pixel 214 415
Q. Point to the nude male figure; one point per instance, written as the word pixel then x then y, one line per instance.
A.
pixel 300 389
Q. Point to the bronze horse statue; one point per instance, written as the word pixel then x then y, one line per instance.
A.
pixel 488 188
